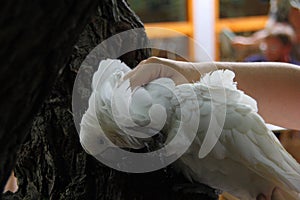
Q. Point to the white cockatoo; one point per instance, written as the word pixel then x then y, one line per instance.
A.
pixel 245 159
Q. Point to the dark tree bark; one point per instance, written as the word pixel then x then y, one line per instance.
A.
pixel 36 39
pixel 51 163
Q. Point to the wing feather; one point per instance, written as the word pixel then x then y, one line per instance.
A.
pixel 259 150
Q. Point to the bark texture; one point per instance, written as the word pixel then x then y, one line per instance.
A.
pixel 36 38
pixel 51 163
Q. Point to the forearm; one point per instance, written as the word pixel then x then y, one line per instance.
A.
pixel 275 86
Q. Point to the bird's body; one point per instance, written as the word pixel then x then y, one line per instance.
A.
pixel 245 159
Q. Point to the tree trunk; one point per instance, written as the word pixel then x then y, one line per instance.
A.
pixel 52 164
pixel 36 39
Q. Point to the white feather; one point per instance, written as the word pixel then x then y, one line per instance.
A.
pixel 237 154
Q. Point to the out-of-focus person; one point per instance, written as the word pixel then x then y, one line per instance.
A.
pixel 282 11
pixel 277 45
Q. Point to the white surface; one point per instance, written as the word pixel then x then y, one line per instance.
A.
pixel 275 128
pixel 204 31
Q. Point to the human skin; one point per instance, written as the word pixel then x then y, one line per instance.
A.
pixel 275 86
pixel 277 51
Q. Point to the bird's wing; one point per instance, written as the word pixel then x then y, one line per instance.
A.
pixel 246 137
pixel 256 147
pixel 215 91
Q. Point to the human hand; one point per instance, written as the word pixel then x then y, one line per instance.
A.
pixel 154 67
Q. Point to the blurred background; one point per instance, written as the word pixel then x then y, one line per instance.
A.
pixel 203 21
pixel 211 24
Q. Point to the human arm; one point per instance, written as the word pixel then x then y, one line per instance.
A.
pixel 251 42
pixel 275 86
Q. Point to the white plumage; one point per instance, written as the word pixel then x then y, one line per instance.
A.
pixel 246 159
